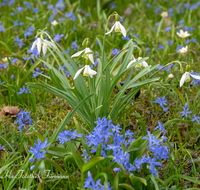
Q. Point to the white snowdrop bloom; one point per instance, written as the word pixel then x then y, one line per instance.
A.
pixel 118 27
pixel 88 53
pixel 42 43
pixel 186 78
pixel 87 72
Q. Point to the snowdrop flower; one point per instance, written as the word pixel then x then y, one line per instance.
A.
pixel 88 53
pixel 87 71
pixel 183 34
pixel 54 23
pixel 186 78
pixel 118 27
pixel 141 64
pixel 183 50
pixel 164 14
pixel 42 43
pixel 132 61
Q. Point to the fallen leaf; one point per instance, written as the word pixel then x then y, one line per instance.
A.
pixel 9 110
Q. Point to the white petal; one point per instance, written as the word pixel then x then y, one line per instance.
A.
pixel 90 71
pixel 88 50
pixel 183 79
pixel 145 64
pixel 123 30
pixel 130 63
pixel 39 44
pixel 195 76
pixel 178 34
pixel 78 73
pixel 34 44
pixel 44 49
pixel 90 56
pixel 111 29
pixel 77 53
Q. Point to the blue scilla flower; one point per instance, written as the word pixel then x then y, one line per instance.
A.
pixel 66 71
pixel 161 101
pixel 28 32
pixel 71 16
pixel 161 46
pixel 185 111
pixel 60 5
pixel 168 28
pixel 58 37
pixel 3 65
pixel 12 77
pixel 20 43
pixel 35 10
pixel 38 151
pixel 2 29
pixel 34 53
pixel 1 147
pixel 160 127
pixel 37 72
pixel 74 46
pixel 89 183
pixel 68 135
pixel 27 5
pixel 24 89
pixel 20 9
pixel 23 119
pixel 152 139
pixel 112 4
pixel 195 118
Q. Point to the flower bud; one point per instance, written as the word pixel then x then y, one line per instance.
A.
pixel 171 76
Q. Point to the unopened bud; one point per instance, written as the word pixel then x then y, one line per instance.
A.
pixel 170 76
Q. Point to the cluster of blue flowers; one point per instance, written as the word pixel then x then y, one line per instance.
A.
pixel 186 111
pixel 28 32
pixel 38 151
pixel 58 37
pixel 68 135
pixel 19 41
pixel 23 119
pixel 162 103
pixel 24 89
pixel 108 135
pixel 89 183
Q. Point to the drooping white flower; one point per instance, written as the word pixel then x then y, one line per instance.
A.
pixel 183 34
pixel 54 23
pixel 132 61
pixel 88 53
pixel 141 64
pixel 183 50
pixel 42 43
pixel 118 27
pixel 164 14
pixel 87 71
pixel 186 78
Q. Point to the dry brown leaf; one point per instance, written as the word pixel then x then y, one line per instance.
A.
pixel 9 110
